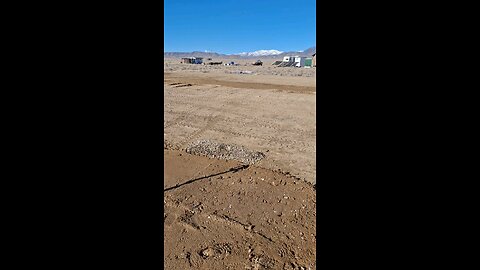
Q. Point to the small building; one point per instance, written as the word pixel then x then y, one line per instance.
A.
pixel 192 60
pixel 186 60
pixel 288 61
pixel 292 61
pixel 308 62
pixel 299 61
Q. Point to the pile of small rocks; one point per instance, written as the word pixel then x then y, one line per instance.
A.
pixel 224 151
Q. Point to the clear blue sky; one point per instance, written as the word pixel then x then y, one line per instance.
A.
pixel 234 26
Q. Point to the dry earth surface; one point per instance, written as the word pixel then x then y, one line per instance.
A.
pixel 239 167
pixel 220 215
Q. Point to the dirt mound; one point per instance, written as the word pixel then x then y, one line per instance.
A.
pixel 213 149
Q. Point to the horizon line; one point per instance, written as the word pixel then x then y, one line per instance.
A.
pixel 207 51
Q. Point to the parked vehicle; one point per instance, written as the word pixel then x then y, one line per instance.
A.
pixel 258 63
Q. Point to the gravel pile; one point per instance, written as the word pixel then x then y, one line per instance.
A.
pixel 224 151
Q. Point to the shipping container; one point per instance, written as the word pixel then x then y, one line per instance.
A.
pixel 308 62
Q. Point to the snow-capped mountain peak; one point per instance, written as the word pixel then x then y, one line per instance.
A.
pixel 261 53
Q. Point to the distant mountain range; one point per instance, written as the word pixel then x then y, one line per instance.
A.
pixel 261 53
pixel 257 54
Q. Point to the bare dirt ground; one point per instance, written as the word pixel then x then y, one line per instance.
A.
pixel 225 214
pixel 173 65
pixel 220 215
pixel 267 113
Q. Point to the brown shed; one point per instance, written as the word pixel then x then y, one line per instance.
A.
pixel 187 60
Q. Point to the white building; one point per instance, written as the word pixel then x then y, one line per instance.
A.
pixel 299 61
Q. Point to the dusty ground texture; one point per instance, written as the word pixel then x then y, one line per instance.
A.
pixel 220 214
pixel 271 114
pixel 172 65
pixel 239 167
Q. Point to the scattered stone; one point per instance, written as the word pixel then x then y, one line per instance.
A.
pixel 213 149
pixel 248 228
pixel 207 252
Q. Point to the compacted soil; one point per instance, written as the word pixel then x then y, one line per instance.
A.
pixel 222 214
pixel 240 172
pixel 270 114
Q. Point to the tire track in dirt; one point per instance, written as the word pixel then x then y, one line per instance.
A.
pixel 274 137
pixel 262 124
pixel 240 85
pixel 180 118
pixel 226 112
pixel 210 123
